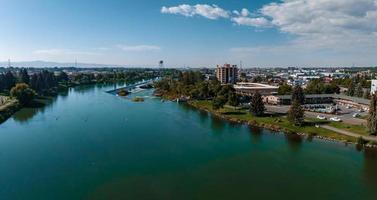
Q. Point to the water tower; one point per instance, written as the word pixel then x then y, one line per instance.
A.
pixel 161 64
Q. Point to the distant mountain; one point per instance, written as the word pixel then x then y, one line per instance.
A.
pixel 42 64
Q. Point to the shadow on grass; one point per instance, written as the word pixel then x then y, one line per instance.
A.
pixel 234 113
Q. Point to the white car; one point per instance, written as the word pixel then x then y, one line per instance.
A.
pixel 321 117
pixel 335 119
pixel 355 115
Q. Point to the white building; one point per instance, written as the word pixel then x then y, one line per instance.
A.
pixel 373 87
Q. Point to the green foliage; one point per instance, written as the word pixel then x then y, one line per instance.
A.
pixel 366 94
pixel 44 82
pixel 7 81
pixel 361 141
pixel 256 105
pixel 285 89
pixel 351 89
pixel 218 102
pixel 24 76
pixel 192 84
pixel 233 99
pixel 296 114
pixel 359 90
pixel 62 77
pixel 23 93
pixel 316 86
pixel 298 95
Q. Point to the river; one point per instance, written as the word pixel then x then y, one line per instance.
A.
pixel 88 144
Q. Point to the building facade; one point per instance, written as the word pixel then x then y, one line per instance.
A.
pixel 373 87
pixel 249 89
pixel 227 74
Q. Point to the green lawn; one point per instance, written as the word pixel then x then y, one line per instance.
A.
pixel 276 121
pixel 359 129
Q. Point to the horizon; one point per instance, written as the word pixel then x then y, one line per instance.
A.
pixel 53 64
pixel 264 33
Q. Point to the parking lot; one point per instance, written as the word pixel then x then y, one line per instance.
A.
pixel 345 114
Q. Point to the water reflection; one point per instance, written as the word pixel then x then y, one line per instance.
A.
pixel 256 133
pixel 370 167
pixel 294 141
pixel 24 115
pixel 217 124
pixel 40 106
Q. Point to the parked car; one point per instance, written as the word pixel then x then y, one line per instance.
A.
pixel 335 119
pixel 355 115
pixel 321 117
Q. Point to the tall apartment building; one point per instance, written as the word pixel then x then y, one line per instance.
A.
pixel 227 74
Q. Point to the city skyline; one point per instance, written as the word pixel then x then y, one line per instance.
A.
pixel 325 33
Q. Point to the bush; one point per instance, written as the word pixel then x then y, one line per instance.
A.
pixel 23 93
pixel 361 141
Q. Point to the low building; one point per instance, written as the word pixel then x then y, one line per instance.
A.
pixel 359 103
pixel 227 74
pixel 246 88
pixel 309 99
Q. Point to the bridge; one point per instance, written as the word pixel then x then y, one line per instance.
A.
pixel 133 87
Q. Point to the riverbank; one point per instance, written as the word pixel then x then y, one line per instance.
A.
pixel 8 109
pixel 274 122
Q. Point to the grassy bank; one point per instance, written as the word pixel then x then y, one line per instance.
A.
pixel 359 129
pixel 273 122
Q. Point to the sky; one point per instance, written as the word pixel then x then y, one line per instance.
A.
pixel 260 33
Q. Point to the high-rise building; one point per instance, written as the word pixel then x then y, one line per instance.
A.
pixel 227 74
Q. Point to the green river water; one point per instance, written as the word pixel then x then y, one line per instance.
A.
pixel 88 144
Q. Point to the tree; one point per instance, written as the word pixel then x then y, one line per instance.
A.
pixel 2 82
pixel 366 94
pixel 359 90
pixel 23 93
pixel 372 118
pixel 351 89
pixel 63 77
pixel 233 99
pixel 296 114
pixel 256 105
pixel 9 80
pixel 298 95
pixel 218 102
pixel 24 76
pixel 285 89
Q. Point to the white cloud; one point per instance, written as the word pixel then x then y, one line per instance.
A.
pixel 251 21
pixel 245 12
pixel 305 17
pixel 204 10
pixel 139 48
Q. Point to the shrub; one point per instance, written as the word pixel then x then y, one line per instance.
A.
pixel 23 93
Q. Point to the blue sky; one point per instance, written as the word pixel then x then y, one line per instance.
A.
pixel 191 33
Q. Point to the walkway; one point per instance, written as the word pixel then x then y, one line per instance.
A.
pixel 344 132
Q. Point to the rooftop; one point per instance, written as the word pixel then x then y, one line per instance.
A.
pixel 247 85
